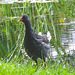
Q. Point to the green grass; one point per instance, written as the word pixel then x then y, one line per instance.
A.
pixel 23 69
pixel 11 45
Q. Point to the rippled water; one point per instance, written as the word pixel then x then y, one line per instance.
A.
pixel 67 40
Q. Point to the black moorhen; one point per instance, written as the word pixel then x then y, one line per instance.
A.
pixel 36 45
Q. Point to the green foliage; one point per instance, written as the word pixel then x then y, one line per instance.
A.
pixel 12 32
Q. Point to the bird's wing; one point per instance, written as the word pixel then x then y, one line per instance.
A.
pixel 43 38
pixel 46 49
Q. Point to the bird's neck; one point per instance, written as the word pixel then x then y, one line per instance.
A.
pixel 28 26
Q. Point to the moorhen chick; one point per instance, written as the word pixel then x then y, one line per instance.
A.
pixel 36 45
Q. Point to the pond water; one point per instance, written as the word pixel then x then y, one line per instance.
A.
pixel 68 42
pixel 68 38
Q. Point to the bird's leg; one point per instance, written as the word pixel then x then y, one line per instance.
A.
pixel 45 62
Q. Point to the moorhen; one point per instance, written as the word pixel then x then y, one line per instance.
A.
pixel 36 45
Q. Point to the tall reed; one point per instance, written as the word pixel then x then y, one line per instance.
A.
pixel 12 32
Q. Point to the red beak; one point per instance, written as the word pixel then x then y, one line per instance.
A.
pixel 21 19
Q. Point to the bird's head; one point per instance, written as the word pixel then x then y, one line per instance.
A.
pixel 24 18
